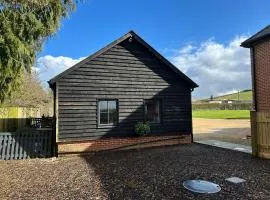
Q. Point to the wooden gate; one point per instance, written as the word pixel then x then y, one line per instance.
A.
pixel 260 133
pixel 31 143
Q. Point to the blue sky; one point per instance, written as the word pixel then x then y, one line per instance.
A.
pixel 185 32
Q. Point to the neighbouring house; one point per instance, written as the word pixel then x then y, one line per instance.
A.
pixel 215 101
pixel 259 45
pixel 99 100
pixel 231 101
pixel 14 118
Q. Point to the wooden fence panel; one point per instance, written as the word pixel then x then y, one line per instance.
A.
pixel 260 133
pixel 32 143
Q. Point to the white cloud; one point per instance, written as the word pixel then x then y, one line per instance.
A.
pixel 187 49
pixel 216 67
pixel 49 66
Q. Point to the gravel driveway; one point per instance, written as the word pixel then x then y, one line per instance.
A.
pixel 227 130
pixel 155 173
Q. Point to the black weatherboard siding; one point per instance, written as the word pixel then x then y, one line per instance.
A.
pixel 131 72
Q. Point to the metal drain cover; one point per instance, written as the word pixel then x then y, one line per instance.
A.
pixel 201 186
pixel 235 180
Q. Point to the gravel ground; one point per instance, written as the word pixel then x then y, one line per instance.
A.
pixel 155 173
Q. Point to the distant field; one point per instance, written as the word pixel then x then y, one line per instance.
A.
pixel 244 95
pixel 221 114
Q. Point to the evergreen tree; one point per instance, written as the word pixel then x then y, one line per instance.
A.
pixel 24 26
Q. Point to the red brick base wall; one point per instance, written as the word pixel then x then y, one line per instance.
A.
pixel 121 143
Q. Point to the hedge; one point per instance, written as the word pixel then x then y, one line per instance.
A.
pixel 222 106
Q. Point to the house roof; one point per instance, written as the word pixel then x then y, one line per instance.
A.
pixel 119 40
pixel 262 34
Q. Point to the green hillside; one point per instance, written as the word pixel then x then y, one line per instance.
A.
pixel 243 95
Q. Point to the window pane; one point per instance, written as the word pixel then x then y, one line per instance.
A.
pixel 113 117
pixel 112 105
pixel 152 111
pixel 103 106
pixel 157 115
pixel 103 118
pixel 112 112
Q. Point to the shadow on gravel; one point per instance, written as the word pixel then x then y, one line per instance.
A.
pixel 158 173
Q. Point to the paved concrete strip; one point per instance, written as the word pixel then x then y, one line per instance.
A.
pixel 202 126
pixel 227 145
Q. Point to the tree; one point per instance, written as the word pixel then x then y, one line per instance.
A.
pixel 24 26
pixel 30 93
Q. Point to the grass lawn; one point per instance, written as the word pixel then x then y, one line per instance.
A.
pixel 221 114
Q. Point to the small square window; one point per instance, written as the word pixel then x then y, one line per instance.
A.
pixel 107 112
pixel 153 110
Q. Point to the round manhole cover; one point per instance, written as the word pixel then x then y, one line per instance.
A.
pixel 201 186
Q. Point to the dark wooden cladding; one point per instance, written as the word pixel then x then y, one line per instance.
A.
pixel 129 73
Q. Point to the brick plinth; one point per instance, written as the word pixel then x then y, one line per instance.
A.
pixel 121 143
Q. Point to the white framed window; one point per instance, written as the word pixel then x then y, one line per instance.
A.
pixel 107 112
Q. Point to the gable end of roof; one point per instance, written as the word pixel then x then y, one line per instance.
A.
pixel 121 39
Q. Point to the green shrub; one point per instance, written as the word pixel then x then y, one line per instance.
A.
pixel 142 128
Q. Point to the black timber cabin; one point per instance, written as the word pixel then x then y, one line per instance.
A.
pixel 126 82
